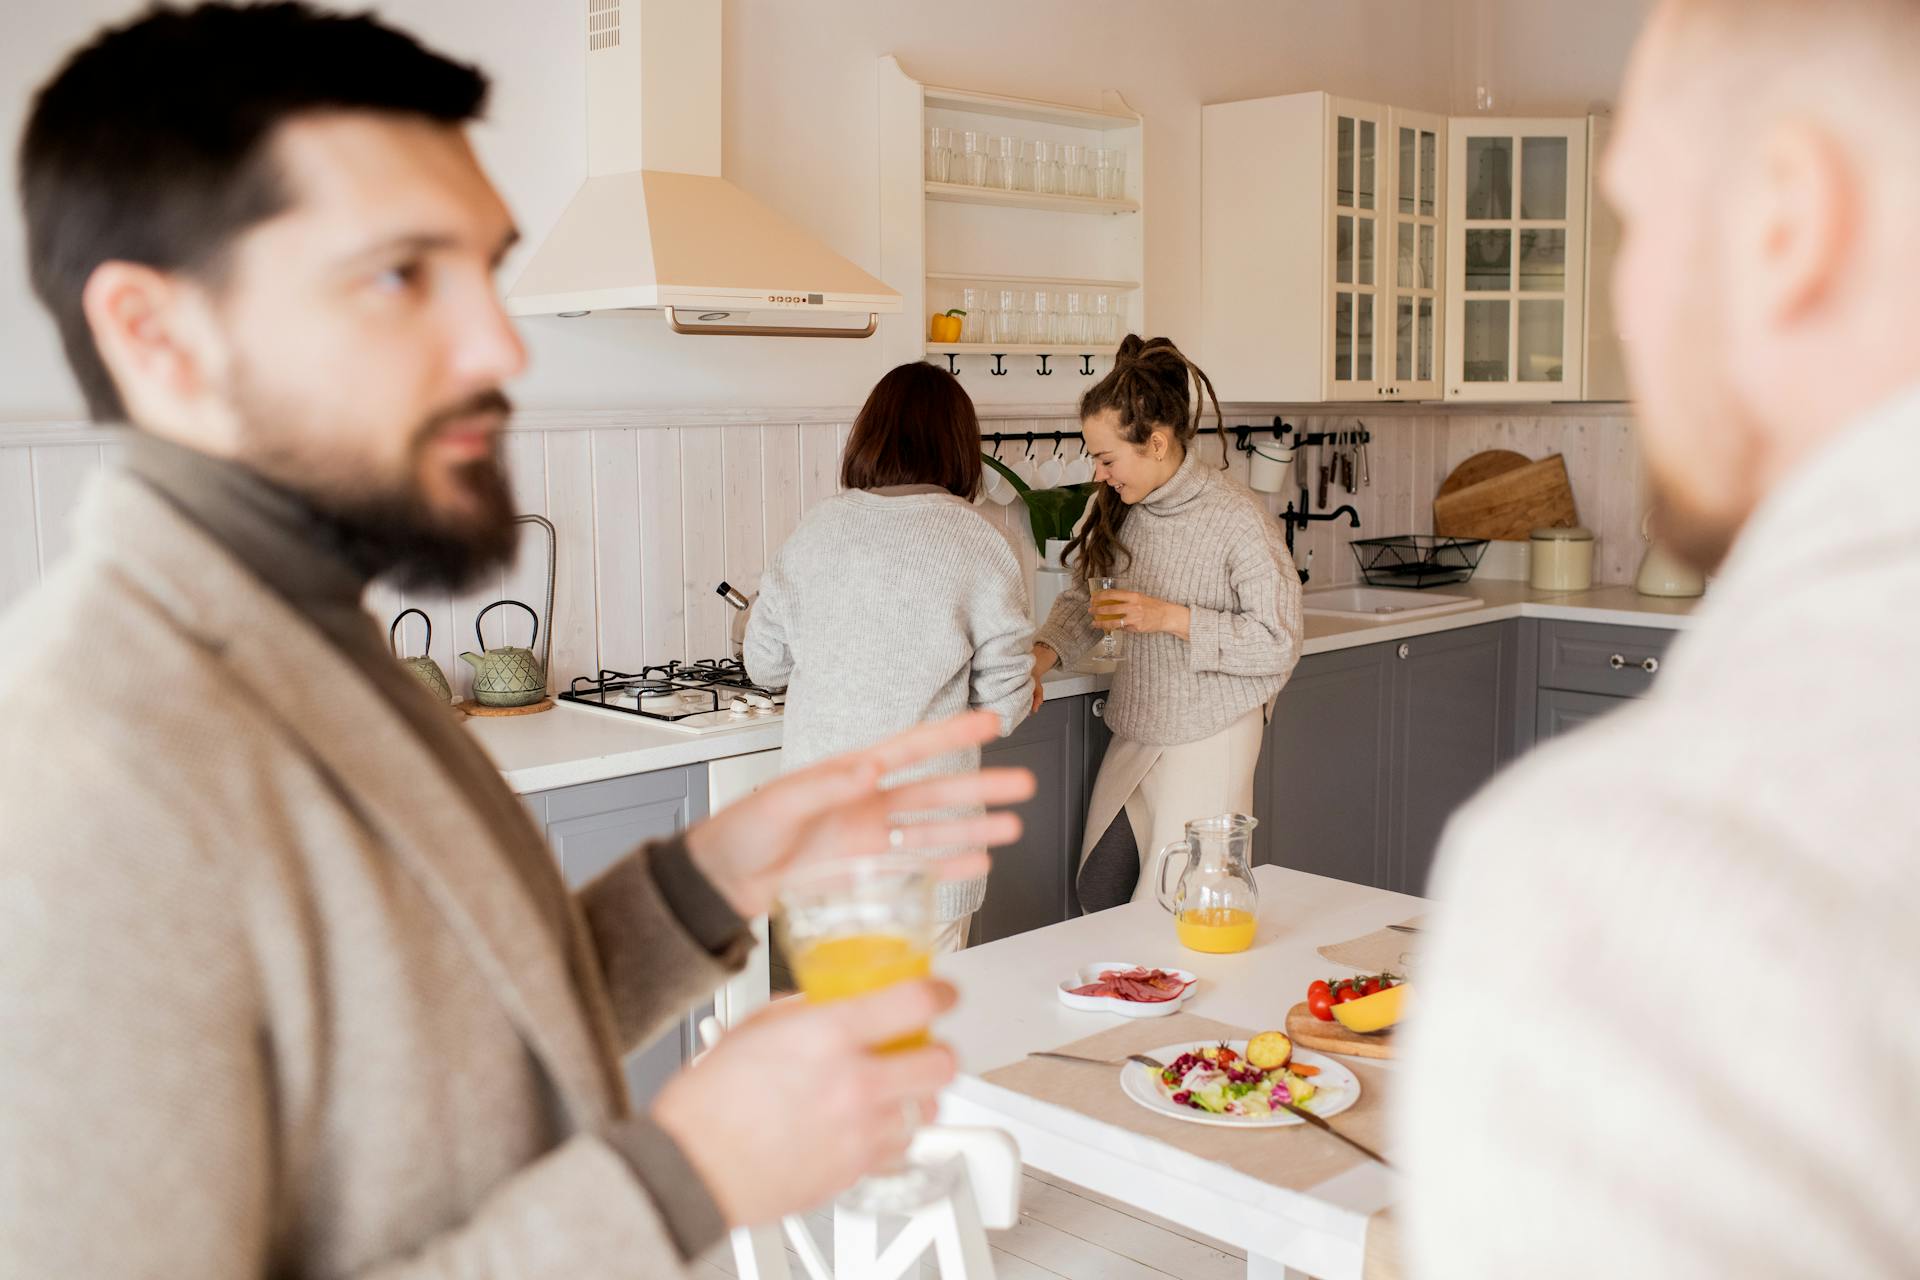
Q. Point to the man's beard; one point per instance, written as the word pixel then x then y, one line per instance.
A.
pixel 385 524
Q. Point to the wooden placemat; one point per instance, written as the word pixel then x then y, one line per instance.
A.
pixel 1294 1157
pixel 475 709
pixel 1382 951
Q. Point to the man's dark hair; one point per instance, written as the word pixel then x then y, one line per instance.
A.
pixel 917 427
pixel 152 144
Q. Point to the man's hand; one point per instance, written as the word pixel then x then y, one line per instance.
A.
pixel 837 809
pixel 1044 660
pixel 824 1111
pixel 1131 611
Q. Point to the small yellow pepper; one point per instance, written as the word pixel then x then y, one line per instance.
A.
pixel 945 328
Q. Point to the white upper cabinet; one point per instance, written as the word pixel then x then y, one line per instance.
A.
pixel 1321 249
pixel 1517 260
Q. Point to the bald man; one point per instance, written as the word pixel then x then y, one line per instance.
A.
pixel 1670 1022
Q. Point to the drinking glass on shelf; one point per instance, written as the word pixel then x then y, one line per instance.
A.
pixel 1009 322
pixel 973 158
pixel 1023 178
pixel 1046 170
pixel 1073 325
pixel 1041 321
pixel 1005 173
pixel 1103 173
pixel 973 325
pixel 1103 330
pixel 939 154
pixel 1112 645
pixel 1074 173
pixel 853 927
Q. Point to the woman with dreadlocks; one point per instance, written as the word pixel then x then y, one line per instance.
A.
pixel 1211 613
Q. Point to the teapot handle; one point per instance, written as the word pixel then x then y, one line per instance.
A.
pixel 1163 860
pixel 393 631
pixel 495 605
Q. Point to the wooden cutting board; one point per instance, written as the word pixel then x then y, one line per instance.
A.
pixel 1511 505
pixel 1482 466
pixel 1330 1037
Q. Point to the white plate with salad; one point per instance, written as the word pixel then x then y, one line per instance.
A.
pixel 1202 1084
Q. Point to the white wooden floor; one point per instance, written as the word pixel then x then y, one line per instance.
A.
pixel 1069 1232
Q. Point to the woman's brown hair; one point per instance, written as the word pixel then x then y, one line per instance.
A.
pixel 1148 388
pixel 918 427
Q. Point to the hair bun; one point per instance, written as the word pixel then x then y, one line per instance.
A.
pixel 1130 348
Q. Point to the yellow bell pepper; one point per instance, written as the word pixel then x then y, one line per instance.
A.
pixel 945 328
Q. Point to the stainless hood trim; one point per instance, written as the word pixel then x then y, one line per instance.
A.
pixel 772 330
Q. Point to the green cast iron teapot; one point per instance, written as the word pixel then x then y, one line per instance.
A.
pixel 506 677
pixel 423 668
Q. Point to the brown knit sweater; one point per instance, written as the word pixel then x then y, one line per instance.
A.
pixel 1203 540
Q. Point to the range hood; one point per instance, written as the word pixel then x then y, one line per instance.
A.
pixel 655 226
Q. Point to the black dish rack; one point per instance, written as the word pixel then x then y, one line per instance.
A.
pixel 1417 559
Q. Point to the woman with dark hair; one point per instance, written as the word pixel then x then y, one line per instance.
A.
pixel 1211 612
pixel 895 602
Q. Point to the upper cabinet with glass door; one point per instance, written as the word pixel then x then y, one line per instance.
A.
pixel 1321 249
pixel 1517 260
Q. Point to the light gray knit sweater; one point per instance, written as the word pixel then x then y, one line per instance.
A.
pixel 882 612
pixel 1202 539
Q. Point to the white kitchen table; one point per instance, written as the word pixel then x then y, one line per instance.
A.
pixel 1008 1009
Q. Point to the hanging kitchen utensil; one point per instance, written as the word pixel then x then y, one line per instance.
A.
pixel 1366 464
pixel 508 676
pixel 423 668
pixel 491 704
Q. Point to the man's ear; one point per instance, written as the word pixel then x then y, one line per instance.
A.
pixel 151 331
pixel 1803 212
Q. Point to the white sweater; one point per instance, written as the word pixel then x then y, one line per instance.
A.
pixel 1667 1024
pixel 883 612
pixel 1202 540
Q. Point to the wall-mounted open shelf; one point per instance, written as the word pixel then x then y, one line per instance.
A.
pixel 1044 282
pixel 937 238
pixel 956 193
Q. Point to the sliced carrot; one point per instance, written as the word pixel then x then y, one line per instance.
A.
pixel 1302 1070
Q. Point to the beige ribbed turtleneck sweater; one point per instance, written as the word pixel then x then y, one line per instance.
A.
pixel 1203 540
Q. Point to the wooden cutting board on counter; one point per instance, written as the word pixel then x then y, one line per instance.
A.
pixel 1502 501
pixel 1330 1037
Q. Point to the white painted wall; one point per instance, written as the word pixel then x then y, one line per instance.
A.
pixel 800 131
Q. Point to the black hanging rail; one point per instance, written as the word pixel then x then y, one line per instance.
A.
pixel 1243 436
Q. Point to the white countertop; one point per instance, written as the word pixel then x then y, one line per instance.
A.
pixel 571 745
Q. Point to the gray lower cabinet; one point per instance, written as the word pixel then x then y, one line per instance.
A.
pixel 1372 748
pixel 1320 791
pixel 1451 730
pixel 593 826
pixel 1588 669
pixel 1031 885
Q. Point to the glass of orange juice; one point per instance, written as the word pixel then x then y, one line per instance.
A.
pixel 857 926
pixel 1111 644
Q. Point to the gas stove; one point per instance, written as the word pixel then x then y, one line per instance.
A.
pixel 707 696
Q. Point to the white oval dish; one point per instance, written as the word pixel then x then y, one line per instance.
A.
pixel 1336 1089
pixel 1113 1004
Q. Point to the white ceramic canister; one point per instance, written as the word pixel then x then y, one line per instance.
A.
pixel 1562 559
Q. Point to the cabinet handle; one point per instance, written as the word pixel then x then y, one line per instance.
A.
pixel 1648 665
pixel 1406 651
pixel 1099 708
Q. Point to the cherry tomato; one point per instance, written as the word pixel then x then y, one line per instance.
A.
pixel 1369 985
pixel 1320 984
pixel 1320 1003
pixel 1346 992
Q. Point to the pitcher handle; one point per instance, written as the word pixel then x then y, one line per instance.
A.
pixel 1161 861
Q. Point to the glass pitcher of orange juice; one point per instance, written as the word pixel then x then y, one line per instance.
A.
pixel 1214 901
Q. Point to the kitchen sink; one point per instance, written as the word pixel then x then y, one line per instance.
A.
pixel 1381 604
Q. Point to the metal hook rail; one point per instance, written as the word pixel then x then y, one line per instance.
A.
pixel 1243 436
